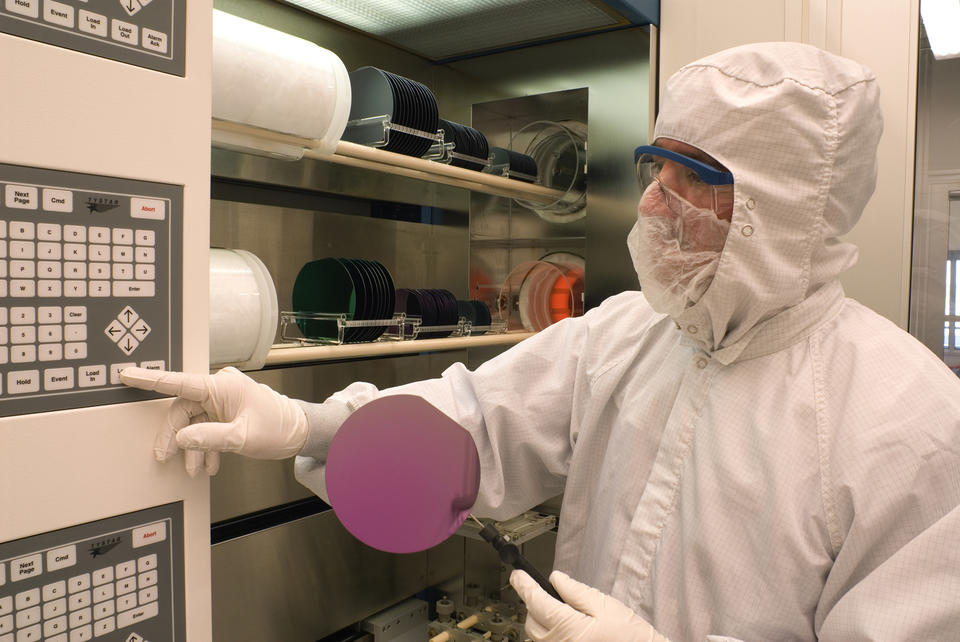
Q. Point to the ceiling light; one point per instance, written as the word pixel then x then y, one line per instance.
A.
pixel 941 20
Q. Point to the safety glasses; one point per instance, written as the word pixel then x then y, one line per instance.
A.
pixel 650 161
pixel 693 180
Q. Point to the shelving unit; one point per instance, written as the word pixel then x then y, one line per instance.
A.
pixel 289 354
pixel 294 148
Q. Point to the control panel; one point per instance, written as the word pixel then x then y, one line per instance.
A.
pixel 118 579
pixel 145 33
pixel 90 283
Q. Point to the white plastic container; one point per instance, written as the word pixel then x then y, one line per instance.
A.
pixel 243 310
pixel 272 80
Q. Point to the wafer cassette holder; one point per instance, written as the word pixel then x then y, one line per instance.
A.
pixel 400 327
pixel 374 131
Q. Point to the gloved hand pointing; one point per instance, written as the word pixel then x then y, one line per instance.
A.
pixel 224 412
pixel 587 616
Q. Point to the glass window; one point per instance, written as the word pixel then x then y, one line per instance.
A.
pixel 935 273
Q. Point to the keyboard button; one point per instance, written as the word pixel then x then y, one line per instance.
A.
pixel 148 595
pixel 104 626
pixel 103 609
pixel 30 634
pixel 127 585
pixel 22 270
pixel 131 617
pixel 23 316
pixel 103 575
pixel 122 271
pixel 55 626
pixel 75 350
pixel 82 634
pixel 99 253
pixel 147 579
pixel 147 208
pixel 81 617
pixel 79 600
pixel 145 255
pixel 22 354
pixel 22 250
pixel 27 599
pixel 49 314
pixel 55 608
pixel 50 333
pixel 99 234
pixel 128 344
pixel 126 602
pixel 91 376
pixel 74 252
pixel 78 583
pixel 140 330
pixel 99 270
pixel 19 196
pixel 145 272
pixel 6 624
pixel 75 270
pixel 103 593
pixel 22 288
pixel 99 288
pixel 58 200
pixel 6 605
pixel 22 382
pixel 145 237
pixel 147 563
pixel 49 251
pixel 134 288
pixel 75 233
pixel 75 313
pixel 4 337
pixel 23 334
pixel 4 354
pixel 58 378
pixel 54 591
pixel 26 617
pixel 115 369
pixel 153 365
pixel 115 331
pixel 122 236
pixel 49 289
pixel 75 332
pixel 48 232
pixel 49 269
pixel 126 569
pixel 60 558
pixel 21 230
pixel 75 288
pixel 50 352
pixel 122 254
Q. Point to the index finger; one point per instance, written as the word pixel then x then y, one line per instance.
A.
pixel 192 387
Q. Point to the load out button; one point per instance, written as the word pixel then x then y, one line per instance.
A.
pixel 149 534
pixel 124 32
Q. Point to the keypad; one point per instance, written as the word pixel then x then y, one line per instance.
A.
pixel 93 581
pixel 85 286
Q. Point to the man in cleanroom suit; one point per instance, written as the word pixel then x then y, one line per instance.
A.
pixel 743 452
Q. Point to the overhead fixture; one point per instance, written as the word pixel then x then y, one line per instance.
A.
pixel 941 20
pixel 445 30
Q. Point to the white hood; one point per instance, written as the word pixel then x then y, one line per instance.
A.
pixel 799 129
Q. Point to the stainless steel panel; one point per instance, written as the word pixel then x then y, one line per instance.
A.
pixel 309 578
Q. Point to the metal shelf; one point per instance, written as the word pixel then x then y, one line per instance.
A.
pixel 378 160
pixel 289 354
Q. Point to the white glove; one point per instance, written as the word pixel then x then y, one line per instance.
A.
pixel 587 616
pixel 257 421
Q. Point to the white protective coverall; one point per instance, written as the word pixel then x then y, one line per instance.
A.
pixel 778 462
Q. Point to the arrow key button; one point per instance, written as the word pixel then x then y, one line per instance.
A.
pixel 128 316
pixel 115 331
pixel 130 6
pixel 140 330
pixel 128 344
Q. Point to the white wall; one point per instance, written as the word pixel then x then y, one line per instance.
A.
pixel 881 34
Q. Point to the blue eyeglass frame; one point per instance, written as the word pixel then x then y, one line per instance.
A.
pixel 707 174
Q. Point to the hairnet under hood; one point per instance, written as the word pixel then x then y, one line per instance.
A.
pixel 799 129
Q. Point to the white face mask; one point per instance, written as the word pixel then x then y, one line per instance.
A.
pixel 675 248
